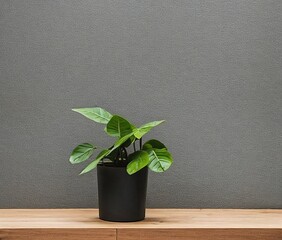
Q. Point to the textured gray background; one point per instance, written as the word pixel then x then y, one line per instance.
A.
pixel 212 69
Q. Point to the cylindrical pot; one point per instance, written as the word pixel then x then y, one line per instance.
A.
pixel 122 197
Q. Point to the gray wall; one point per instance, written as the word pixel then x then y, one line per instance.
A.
pixel 212 69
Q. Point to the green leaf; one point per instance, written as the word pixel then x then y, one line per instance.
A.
pixel 160 159
pixel 138 160
pixel 118 127
pixel 141 131
pixel 112 155
pixel 105 153
pixel 128 142
pixel 81 153
pixel 96 114
pixel 122 140
pixel 153 143
pixel 93 164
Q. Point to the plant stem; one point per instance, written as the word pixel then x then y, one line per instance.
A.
pixel 117 157
pixel 140 143
pixel 120 153
pixel 134 147
pixel 124 150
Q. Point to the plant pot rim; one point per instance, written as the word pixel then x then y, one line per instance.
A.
pixel 110 166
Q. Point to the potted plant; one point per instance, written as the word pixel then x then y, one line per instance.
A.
pixel 122 174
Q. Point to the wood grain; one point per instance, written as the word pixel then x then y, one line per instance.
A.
pixel 155 218
pixel 58 234
pixel 160 224
pixel 199 234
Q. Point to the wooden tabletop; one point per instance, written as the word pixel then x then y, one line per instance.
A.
pixel 155 218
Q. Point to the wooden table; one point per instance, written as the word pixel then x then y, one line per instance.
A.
pixel 160 224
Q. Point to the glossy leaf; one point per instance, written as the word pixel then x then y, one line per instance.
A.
pixel 94 163
pixel 81 153
pixel 118 127
pixel 160 159
pixel 141 131
pixel 96 114
pixel 128 141
pixel 138 160
pixel 122 140
pixel 112 155
pixel 153 143
pixel 105 153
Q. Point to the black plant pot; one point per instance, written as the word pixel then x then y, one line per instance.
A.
pixel 122 197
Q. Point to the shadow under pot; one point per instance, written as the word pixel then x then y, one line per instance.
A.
pixel 122 197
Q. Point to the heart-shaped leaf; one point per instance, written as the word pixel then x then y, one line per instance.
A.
pixel 96 114
pixel 118 127
pixel 160 159
pixel 141 131
pixel 138 160
pixel 81 153
pixel 153 143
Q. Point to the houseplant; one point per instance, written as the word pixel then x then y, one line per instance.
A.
pixel 122 174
